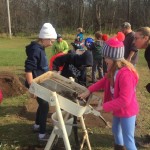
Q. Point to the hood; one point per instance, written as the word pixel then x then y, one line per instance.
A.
pixel 32 45
pixel 86 59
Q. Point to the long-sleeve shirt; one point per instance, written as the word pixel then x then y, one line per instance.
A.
pixel 124 102
pixel 59 47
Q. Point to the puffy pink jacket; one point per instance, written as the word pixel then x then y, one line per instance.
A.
pixel 124 103
pixel 1 96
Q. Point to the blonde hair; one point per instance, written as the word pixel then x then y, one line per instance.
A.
pixel 118 64
pixel 145 31
pixel 80 30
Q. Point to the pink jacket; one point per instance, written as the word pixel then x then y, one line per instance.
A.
pixel 124 103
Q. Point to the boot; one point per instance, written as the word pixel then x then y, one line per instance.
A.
pixel 119 147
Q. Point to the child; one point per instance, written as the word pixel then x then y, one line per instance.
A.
pixel 74 65
pixel 142 41
pixel 1 96
pixel 97 57
pixel 35 65
pixel 59 46
pixel 80 35
pixel 104 38
pixel 119 93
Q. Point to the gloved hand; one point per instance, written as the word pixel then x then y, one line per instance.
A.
pixel 148 87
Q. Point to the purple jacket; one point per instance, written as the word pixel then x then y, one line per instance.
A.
pixel 124 103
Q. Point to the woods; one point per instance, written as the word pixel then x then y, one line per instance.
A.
pixel 28 16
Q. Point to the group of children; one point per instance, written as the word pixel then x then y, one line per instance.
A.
pixel 119 93
pixel 80 45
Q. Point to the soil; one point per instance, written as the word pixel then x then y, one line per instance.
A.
pixel 11 85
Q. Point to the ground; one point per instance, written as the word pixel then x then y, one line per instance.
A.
pixel 13 85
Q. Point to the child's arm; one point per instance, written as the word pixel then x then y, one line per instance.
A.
pixel 98 85
pixel 93 88
pixel 66 47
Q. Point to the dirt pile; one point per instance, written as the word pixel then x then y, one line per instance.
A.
pixel 11 85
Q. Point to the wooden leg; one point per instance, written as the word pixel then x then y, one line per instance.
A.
pixel 51 140
pixel 85 137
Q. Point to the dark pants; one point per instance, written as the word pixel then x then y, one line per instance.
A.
pixel 97 66
pixel 104 66
pixel 41 114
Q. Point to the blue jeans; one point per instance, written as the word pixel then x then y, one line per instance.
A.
pixel 123 131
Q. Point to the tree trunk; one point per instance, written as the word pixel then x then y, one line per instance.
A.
pixel 81 13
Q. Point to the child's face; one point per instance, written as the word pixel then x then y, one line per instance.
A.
pixel 59 39
pixel 109 63
pixel 48 42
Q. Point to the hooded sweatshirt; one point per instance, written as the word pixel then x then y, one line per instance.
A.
pixel 124 102
pixel 36 61
pixel 74 65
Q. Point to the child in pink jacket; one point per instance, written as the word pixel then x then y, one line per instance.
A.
pixel 119 87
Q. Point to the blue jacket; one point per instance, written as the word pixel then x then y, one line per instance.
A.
pixel 36 61
pixel 81 36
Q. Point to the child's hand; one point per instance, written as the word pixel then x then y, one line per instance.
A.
pixel 84 95
pixel 99 108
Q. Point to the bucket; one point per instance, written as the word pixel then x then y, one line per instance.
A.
pixel 68 122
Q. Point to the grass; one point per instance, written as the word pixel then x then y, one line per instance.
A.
pixel 15 130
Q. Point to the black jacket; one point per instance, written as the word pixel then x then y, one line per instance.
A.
pixel 147 55
pixel 74 65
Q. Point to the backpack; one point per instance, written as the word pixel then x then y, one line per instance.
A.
pixel 97 50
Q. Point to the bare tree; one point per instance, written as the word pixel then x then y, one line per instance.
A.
pixel 81 13
pixel 27 16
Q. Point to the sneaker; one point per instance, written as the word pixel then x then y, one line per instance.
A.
pixel 44 138
pixel 36 128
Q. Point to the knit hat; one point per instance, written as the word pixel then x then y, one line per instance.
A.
pixel 47 32
pixel 104 37
pixel 89 43
pixel 114 47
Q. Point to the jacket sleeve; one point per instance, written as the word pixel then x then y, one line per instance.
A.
pixel 98 85
pixel 32 60
pixel 66 47
pixel 126 90
pixel 60 61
